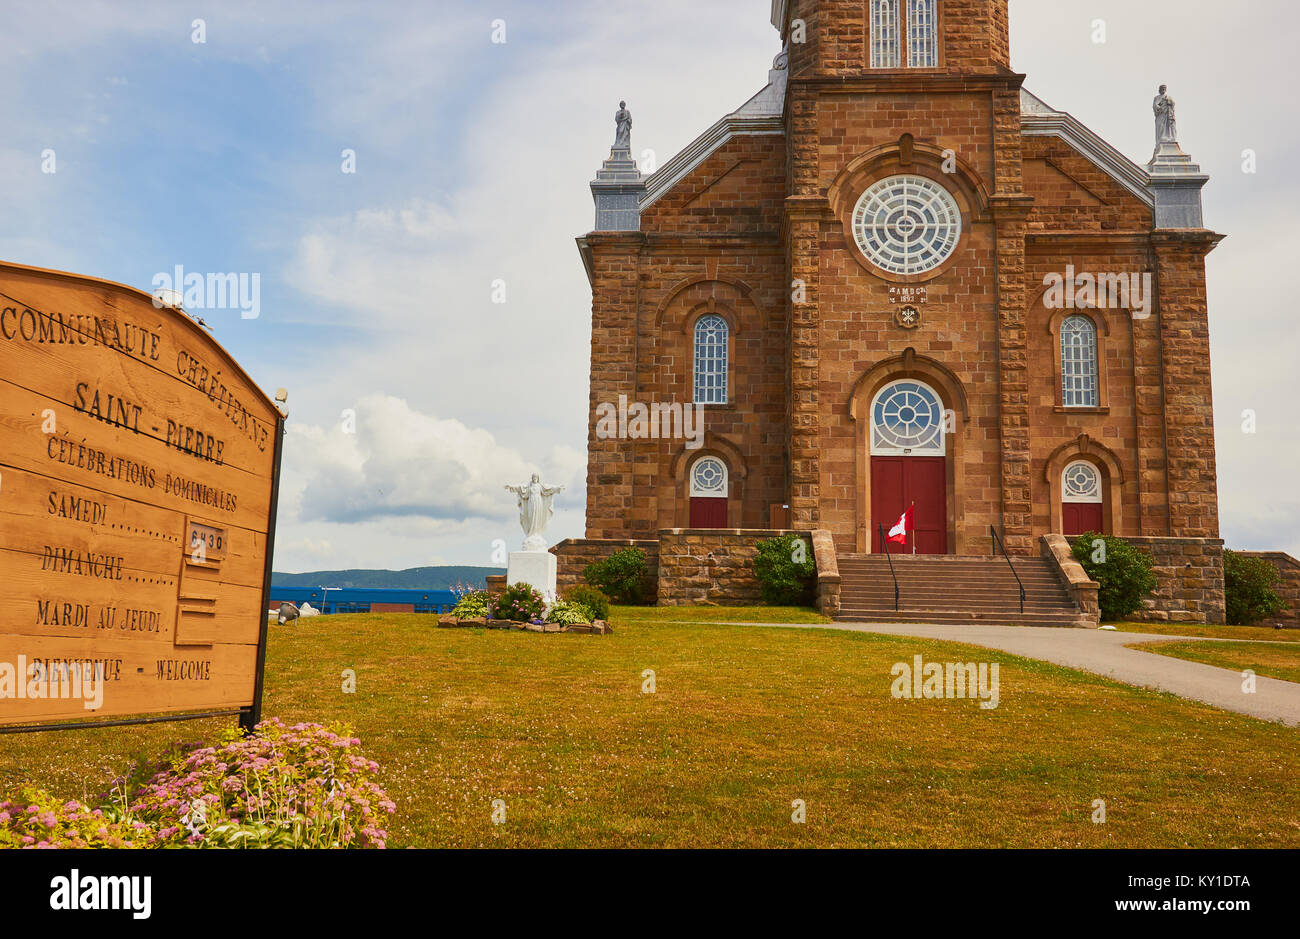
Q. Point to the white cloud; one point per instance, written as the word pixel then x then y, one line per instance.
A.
pixel 404 482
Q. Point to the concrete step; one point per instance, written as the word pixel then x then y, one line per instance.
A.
pixel 954 590
pixel 961 618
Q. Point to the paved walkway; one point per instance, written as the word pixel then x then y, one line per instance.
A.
pixel 1102 652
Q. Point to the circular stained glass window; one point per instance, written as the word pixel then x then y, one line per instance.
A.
pixel 907 418
pixel 1082 483
pixel 907 224
pixel 708 478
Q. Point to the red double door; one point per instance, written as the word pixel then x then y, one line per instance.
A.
pixel 900 481
pixel 708 513
pixel 1080 518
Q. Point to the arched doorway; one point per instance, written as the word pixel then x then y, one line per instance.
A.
pixel 1082 499
pixel 909 465
pixel 708 482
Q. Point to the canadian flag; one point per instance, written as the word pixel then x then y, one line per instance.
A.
pixel 905 524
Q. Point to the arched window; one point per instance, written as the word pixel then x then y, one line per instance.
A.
pixel 711 335
pixel 884 34
pixel 708 478
pixel 907 420
pixel 922 36
pixel 1078 362
pixel 1081 483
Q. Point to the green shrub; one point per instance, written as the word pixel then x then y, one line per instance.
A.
pixel 590 599
pixel 568 614
pixel 621 576
pixel 1248 586
pixel 1125 573
pixel 473 605
pixel 519 603
pixel 786 571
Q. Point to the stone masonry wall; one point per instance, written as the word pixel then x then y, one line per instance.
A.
pixel 1288 588
pixel 710 566
pixel 1189 572
pixel 573 556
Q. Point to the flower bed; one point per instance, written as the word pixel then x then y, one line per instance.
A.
pixel 304 786
pixel 451 621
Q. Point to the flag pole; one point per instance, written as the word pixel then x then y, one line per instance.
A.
pixel 913 511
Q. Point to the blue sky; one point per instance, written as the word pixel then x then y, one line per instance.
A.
pixel 473 159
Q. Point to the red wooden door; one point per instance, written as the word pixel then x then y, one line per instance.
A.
pixel 900 481
pixel 1079 518
pixel 708 513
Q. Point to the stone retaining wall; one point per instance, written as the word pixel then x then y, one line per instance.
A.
pixel 1189 575
pixel 1288 588
pixel 573 556
pixel 708 566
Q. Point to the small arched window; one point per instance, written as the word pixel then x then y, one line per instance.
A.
pixel 907 419
pixel 708 478
pixel 711 341
pixel 1079 362
pixel 1081 483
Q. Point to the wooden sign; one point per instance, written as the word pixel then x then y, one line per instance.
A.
pixel 139 468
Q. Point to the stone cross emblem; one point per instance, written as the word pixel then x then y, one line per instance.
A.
pixel 535 510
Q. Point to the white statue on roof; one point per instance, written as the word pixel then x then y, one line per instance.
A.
pixel 1166 121
pixel 623 121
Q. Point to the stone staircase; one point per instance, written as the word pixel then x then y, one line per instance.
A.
pixel 954 591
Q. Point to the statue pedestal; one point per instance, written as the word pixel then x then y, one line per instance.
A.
pixel 1176 183
pixel 535 568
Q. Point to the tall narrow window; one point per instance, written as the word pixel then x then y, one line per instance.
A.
pixel 922 39
pixel 884 34
pixel 1078 362
pixel 711 334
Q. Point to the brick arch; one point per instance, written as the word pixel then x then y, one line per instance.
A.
pixel 909 365
pixel 952 394
pixel 742 290
pixel 908 156
pixel 714 445
pixel 704 308
pixel 1099 455
pixel 1056 315
pixel 737 469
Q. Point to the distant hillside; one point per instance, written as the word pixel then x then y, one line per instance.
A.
pixel 417 578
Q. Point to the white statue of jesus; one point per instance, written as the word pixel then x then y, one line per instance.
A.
pixel 535 510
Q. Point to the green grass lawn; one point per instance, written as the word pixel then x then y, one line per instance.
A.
pixel 1274 659
pixel 743 722
pixel 716 614
pixel 1261 633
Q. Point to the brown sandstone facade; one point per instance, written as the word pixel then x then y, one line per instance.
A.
pixel 755 223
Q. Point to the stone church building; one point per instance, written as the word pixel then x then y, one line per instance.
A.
pixel 895 277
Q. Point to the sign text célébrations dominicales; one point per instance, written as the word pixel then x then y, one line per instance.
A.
pixel 138 465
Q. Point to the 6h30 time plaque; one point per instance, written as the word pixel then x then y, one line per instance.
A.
pixel 138 483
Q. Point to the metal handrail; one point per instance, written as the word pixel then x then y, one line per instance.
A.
pixel 884 543
pixel 997 543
